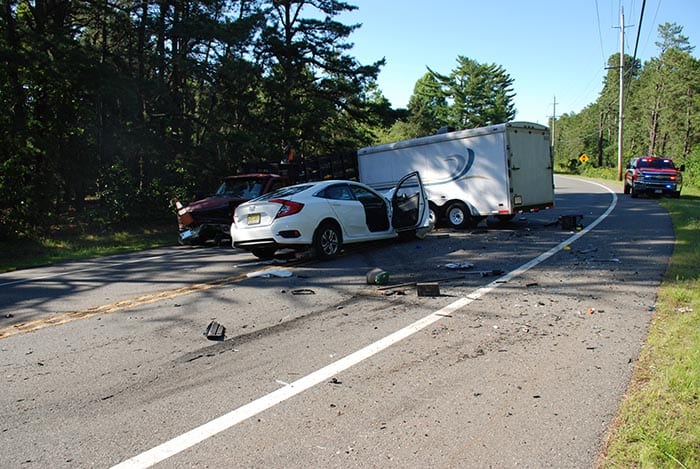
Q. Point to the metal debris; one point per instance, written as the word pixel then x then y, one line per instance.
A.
pixel 215 331
pixel 428 289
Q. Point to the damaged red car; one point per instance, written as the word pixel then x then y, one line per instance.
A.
pixel 209 219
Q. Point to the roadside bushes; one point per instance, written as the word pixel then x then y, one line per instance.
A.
pixel 123 199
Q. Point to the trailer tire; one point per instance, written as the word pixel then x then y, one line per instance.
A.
pixel 458 215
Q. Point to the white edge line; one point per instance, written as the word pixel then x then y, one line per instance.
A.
pixel 197 435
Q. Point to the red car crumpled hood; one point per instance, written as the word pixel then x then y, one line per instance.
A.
pixel 214 202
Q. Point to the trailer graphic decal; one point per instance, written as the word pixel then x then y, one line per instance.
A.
pixel 462 165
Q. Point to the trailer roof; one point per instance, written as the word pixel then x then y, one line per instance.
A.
pixel 459 134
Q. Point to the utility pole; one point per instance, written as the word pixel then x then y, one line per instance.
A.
pixel 622 96
pixel 554 117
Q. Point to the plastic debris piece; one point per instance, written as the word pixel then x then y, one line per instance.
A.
pixel 377 276
pixel 215 331
pixel 303 291
pixel 459 265
pixel 269 273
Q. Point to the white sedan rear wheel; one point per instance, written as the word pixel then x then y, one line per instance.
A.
pixel 327 241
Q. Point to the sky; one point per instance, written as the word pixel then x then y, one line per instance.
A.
pixel 554 50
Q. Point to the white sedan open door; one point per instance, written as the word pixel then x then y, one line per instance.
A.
pixel 410 206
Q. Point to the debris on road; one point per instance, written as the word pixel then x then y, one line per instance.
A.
pixel 215 331
pixel 459 265
pixel 482 273
pixel 270 273
pixel 377 276
pixel 571 222
pixel 303 291
pixel 428 289
pixel 486 273
pixel 394 292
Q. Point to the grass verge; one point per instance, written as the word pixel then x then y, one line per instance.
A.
pixel 66 245
pixel 658 424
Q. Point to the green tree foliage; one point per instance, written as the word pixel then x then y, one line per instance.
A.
pixel 427 106
pixel 317 93
pixel 662 111
pixel 139 100
pixel 480 94
pixel 46 91
pixel 472 95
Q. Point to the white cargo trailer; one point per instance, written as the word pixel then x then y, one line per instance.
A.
pixel 499 170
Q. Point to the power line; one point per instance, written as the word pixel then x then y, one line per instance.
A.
pixel 639 30
pixel 600 34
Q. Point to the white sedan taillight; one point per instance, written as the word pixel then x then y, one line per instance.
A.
pixel 288 207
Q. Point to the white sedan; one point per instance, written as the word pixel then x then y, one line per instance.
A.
pixel 325 215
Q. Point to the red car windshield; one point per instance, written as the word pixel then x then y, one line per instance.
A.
pixel 243 188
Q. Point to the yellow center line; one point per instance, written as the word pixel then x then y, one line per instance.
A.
pixel 62 318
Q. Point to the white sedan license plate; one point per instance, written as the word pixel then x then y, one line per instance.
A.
pixel 253 218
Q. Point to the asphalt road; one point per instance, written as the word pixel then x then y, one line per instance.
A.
pixel 105 362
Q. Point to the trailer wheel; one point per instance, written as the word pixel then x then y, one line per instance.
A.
pixel 458 215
